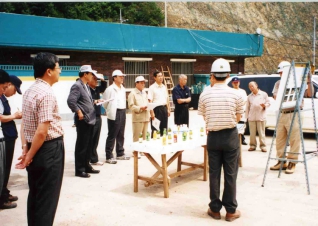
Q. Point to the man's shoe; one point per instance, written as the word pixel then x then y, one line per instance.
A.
pixel 97 163
pixel 214 215
pixel 8 205
pixel 251 149
pixel 244 142
pixel 111 161
pixel 232 216
pixel 13 198
pixel 277 166
pixel 92 171
pixel 290 168
pixel 82 174
pixel 123 157
pixel 263 149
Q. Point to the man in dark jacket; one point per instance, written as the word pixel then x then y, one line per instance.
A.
pixel 96 90
pixel 80 101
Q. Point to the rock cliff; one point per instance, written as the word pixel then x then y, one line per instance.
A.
pixel 287 27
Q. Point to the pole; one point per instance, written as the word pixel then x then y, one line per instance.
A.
pixel 120 18
pixel 166 14
pixel 314 43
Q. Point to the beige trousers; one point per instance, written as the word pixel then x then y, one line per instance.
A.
pixel 283 127
pixel 258 126
pixel 139 127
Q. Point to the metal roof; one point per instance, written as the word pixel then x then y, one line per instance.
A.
pixel 27 31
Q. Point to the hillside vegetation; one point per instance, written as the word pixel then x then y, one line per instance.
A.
pixel 287 27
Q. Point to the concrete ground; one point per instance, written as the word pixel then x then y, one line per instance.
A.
pixel 108 198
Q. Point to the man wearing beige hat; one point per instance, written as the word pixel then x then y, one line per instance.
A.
pixel 116 118
pixel 137 103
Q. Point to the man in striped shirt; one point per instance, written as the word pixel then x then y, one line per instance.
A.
pixel 221 108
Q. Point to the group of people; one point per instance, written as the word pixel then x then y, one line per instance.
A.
pixel 222 108
pixel 43 150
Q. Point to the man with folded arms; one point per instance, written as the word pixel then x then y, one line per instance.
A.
pixel 42 141
pixel 80 101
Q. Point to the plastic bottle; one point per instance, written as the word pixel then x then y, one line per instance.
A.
pixel 158 134
pixel 140 138
pixel 169 138
pixel 190 134
pixel 148 136
pixel 164 139
pixel 202 132
pixel 154 136
pixel 175 138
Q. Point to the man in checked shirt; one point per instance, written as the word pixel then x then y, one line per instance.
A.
pixel 221 108
pixel 42 141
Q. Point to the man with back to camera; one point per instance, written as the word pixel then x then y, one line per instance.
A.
pixel 284 124
pixel 116 118
pixel 236 85
pixel 158 94
pixel 95 92
pixel 221 108
pixel 42 141
pixel 181 96
pixel 10 134
pixel 80 101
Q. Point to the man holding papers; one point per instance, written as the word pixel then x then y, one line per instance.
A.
pixel 137 103
pixel 158 94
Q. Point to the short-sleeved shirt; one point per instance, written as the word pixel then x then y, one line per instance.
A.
pixel 39 105
pixel 179 93
pixel 219 105
pixel 158 94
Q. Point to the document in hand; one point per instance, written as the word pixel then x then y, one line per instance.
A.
pixel 104 101
pixel 151 106
pixel 156 123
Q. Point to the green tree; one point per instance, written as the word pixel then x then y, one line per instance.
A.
pixel 143 13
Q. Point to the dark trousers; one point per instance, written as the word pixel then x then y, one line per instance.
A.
pixel 9 147
pixel 116 132
pixel 83 146
pixel 96 134
pixel 223 149
pixel 161 113
pixel 45 175
pixel 181 114
pixel 2 163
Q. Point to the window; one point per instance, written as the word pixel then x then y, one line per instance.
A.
pixel 134 69
pixel 182 68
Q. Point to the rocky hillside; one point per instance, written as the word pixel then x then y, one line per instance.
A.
pixel 287 27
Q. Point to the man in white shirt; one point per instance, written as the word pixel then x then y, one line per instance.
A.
pixel 158 94
pixel 116 118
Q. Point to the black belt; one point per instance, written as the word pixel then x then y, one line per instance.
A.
pixel 48 141
pixel 1 139
pixel 287 112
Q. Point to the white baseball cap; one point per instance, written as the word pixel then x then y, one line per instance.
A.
pixel 88 68
pixel 140 79
pixel 99 76
pixel 117 73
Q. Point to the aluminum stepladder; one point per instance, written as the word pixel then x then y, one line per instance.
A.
pixel 299 93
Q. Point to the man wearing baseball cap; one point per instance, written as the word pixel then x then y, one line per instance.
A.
pixel 116 118
pixel 137 103
pixel 236 85
pixel 10 135
pixel 80 101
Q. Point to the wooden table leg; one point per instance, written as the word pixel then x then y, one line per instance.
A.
pixel 205 164
pixel 135 171
pixel 240 159
pixel 165 176
pixel 179 162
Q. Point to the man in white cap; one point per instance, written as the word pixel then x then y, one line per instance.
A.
pixel 116 118
pixel 80 101
pixel 96 90
pixel 137 103
pixel 221 108
pixel 284 124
